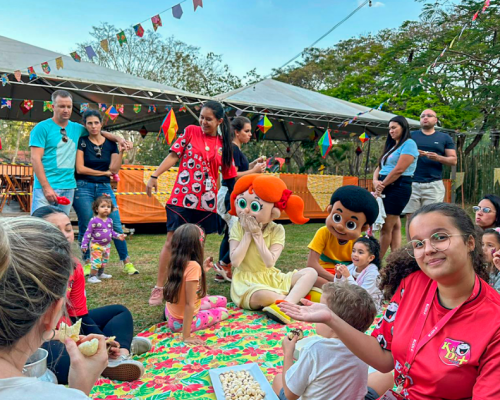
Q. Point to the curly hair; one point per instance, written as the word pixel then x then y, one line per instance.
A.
pixel 398 266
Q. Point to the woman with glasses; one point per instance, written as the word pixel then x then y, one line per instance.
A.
pixel 96 161
pixel 392 180
pixel 488 212
pixel 441 330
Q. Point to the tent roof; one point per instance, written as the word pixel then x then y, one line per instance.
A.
pixel 307 110
pixel 88 83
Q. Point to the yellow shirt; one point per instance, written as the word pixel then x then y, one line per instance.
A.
pixel 326 244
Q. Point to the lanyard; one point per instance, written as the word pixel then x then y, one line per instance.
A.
pixel 415 344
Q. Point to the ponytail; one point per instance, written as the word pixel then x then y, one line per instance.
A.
pixel 227 148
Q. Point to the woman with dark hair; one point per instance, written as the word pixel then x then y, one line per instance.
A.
pixel 97 160
pixel 488 212
pixel 392 179
pixel 200 151
pixel 242 129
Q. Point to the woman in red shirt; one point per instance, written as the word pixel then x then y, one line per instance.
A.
pixel 441 330
pixel 201 151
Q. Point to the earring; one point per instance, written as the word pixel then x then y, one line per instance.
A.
pixel 52 337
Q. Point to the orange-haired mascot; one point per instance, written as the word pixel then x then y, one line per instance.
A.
pixel 256 243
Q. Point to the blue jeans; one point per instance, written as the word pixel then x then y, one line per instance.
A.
pixel 39 200
pixel 85 194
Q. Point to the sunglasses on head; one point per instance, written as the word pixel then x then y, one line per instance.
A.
pixel 64 135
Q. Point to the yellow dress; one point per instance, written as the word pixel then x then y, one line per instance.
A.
pixel 252 274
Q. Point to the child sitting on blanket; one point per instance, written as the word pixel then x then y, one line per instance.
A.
pixel 364 270
pixel 326 368
pixel 186 289
pixel 256 242
pixel 351 211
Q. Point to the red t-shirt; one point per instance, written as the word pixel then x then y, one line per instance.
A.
pixel 462 361
pixel 75 295
pixel 196 183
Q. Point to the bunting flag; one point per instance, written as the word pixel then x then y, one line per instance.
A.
pixel 325 143
pixel 239 112
pixel 452 42
pixel 143 131
pixel 475 16
pixel 182 108
pixel 486 5
pixel 156 20
pixel 112 113
pixel 90 52
pixel 46 67
pixel 26 106
pixel 169 127
pixel 380 106
pixel 105 45
pixel 59 63
pixel 84 107
pixel 47 106
pixel 5 79
pixel 364 138
pixel 120 108
pixel 75 56
pixel 139 30
pixel 152 108
pixel 137 108
pixel 17 75
pixel 177 11
pixel 197 3
pixel 121 38
pixel 358 151
pixel 32 73
pixel 264 124
pixel 6 102
pixel 103 107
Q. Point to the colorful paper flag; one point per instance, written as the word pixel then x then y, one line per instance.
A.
pixel 26 106
pixel 182 108
pixel 121 38
pixel 177 11
pixel 475 16
pixel 364 137
pixel 444 51
pixel 84 107
pixel 169 127
pixel 156 20
pixel 486 5
pixel 120 108
pixel 137 108
pixel 239 112
pixel 143 131
pixel 6 102
pixel 452 42
pixel 139 30
pixel 59 63
pixel 325 143
pixel 46 67
pixel 197 3
pixel 264 124
pixel 105 45
pixel 75 56
pixel 32 73
pixel 17 75
pixel 112 113
pixel 358 151
pixel 152 108
pixel 380 106
pixel 5 79
pixel 90 52
pixel 102 107
pixel 47 106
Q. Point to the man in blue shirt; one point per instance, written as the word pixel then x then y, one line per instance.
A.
pixel 53 144
pixel 436 149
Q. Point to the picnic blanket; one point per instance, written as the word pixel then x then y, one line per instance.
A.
pixel 176 371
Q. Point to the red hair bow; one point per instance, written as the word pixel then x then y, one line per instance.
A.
pixel 284 199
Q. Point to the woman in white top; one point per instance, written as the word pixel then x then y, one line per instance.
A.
pixel 35 265
pixel 364 270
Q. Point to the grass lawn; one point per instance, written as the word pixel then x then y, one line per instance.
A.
pixel 133 291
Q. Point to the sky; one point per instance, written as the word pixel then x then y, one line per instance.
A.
pixel 261 34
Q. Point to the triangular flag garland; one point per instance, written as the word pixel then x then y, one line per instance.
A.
pixel 264 124
pixel 102 107
pixel 59 63
pixel 32 73
pixel 156 20
pixel 26 106
pixel 152 108
pixel 121 38
pixel 105 45
pixel 120 108
pixel 6 102
pixel 46 67
pixel 177 11
pixel 5 79
pixel 169 127
pixel 182 108
pixel 75 56
pixel 112 113
pixel 197 3
pixel 90 52
pixel 139 30
pixel 325 143
pixel 84 107
pixel 137 108
pixel 47 106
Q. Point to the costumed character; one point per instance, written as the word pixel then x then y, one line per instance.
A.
pixel 351 211
pixel 256 243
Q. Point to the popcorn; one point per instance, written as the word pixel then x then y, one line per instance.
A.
pixel 241 386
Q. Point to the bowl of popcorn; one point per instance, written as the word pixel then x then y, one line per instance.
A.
pixel 241 382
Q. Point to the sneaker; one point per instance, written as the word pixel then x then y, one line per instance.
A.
pixel 276 314
pixel 123 369
pixel 129 268
pixel 156 298
pixel 86 269
pixel 105 276
pixel 224 272
pixel 94 279
pixel 140 345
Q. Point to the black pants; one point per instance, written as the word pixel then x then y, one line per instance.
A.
pixel 115 320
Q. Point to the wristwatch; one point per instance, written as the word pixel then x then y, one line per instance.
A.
pixel 154 177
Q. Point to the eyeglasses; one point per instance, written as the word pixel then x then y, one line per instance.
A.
pixel 428 116
pixel 439 241
pixel 486 210
pixel 64 135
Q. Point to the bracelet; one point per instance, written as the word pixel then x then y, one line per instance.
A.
pixel 154 177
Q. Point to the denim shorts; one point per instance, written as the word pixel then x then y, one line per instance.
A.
pixel 39 200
